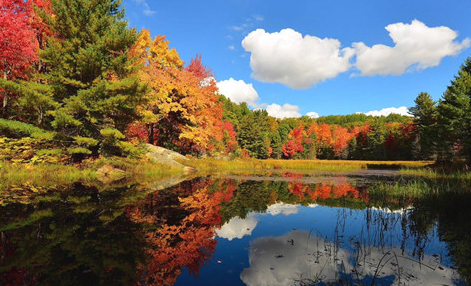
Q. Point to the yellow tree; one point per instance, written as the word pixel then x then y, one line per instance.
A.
pixel 182 110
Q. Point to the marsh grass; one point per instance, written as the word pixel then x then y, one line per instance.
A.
pixel 242 165
pixel 414 188
pixel 411 189
pixel 436 173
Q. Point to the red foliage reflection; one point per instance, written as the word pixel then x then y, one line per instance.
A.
pixel 333 189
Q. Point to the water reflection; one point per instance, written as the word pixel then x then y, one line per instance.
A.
pixel 176 243
pixel 237 227
pixel 299 257
pixel 293 230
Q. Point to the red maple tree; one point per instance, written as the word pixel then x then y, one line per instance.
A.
pixel 18 44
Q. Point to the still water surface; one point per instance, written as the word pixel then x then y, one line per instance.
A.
pixel 373 228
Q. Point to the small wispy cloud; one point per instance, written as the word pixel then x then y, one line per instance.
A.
pixel 147 11
pixel 258 18
pixel 248 24
pixel 242 29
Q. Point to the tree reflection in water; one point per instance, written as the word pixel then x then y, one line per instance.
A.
pixel 131 235
pixel 176 243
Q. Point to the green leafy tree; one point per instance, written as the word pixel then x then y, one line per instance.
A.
pixel 285 126
pixel 425 120
pixel 233 112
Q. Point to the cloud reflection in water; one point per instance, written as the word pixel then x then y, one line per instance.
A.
pixel 299 256
pixel 238 227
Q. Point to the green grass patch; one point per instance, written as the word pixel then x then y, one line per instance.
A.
pixel 18 174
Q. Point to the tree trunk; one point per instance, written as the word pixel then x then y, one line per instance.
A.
pixel 40 116
pixel 5 97
pixel 150 133
pixel 3 246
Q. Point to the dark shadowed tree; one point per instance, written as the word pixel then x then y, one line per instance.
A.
pixel 425 121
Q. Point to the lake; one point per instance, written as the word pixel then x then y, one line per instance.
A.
pixel 359 228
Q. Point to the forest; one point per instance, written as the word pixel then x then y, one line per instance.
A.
pixel 79 83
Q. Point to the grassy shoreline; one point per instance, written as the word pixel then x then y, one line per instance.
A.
pixel 18 173
pixel 15 173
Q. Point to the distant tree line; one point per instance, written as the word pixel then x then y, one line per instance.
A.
pixel 356 136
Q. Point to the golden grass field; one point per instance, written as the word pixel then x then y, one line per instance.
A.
pixel 213 165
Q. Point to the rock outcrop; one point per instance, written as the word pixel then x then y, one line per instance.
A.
pixel 107 174
pixel 164 156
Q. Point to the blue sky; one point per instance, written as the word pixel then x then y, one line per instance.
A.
pixel 320 57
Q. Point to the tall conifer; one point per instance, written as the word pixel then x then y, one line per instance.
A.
pixel 89 69
pixel 454 116
pixel 425 120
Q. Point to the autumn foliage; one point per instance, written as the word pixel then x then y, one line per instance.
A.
pixel 18 45
pixel 181 109
pixel 338 142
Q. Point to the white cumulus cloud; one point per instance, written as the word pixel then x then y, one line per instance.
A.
pixel 417 46
pixel 390 110
pixel 289 58
pixel 285 111
pixel 313 114
pixel 238 91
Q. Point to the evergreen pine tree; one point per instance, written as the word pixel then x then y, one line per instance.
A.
pixel 454 118
pixel 425 120
pixel 90 73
